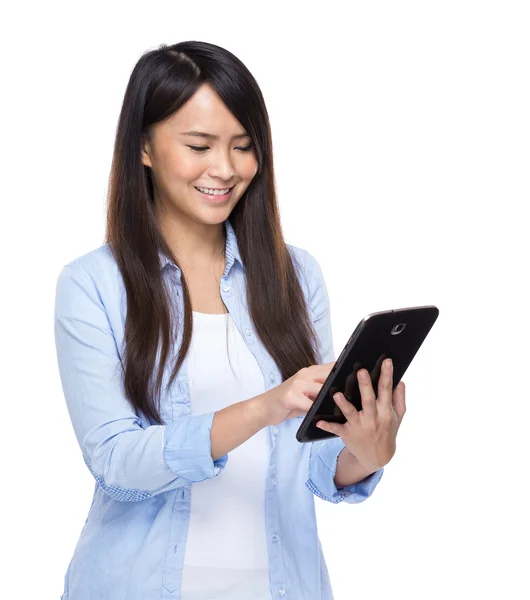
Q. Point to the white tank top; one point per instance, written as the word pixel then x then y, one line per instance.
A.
pixel 226 552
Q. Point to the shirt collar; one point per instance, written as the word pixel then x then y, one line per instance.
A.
pixel 231 250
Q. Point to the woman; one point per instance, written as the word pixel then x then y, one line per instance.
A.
pixel 202 490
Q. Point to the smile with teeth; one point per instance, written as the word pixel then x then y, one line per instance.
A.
pixel 213 191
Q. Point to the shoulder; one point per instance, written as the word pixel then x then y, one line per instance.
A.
pixel 301 255
pixel 96 263
pixel 94 273
pixel 305 263
pixel 309 272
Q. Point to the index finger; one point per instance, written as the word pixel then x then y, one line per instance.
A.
pixel 324 367
pixel 322 372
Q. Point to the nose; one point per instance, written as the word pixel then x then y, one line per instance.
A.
pixel 221 166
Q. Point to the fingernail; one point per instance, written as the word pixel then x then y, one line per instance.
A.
pixel 388 362
pixel 337 397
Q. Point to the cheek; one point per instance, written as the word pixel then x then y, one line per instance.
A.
pixel 251 168
pixel 183 168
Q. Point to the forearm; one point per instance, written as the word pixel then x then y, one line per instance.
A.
pixel 235 424
pixel 349 470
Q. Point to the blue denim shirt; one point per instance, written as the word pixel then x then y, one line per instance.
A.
pixel 133 541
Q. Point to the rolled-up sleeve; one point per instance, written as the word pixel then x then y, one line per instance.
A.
pixel 324 454
pixel 323 468
pixel 129 461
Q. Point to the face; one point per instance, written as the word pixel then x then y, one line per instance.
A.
pixel 181 162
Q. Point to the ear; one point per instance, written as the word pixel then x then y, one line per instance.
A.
pixel 146 152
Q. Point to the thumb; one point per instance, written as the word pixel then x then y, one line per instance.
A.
pixel 335 428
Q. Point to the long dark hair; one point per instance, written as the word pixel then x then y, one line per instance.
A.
pixel 160 83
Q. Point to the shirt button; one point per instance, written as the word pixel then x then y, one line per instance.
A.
pixel 226 287
pixel 275 537
pixel 281 591
pixel 248 331
pixel 273 482
pixel 275 430
pixel 271 376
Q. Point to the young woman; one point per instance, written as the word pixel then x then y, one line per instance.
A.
pixel 191 345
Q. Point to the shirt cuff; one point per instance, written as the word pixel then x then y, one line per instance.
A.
pixel 322 469
pixel 188 448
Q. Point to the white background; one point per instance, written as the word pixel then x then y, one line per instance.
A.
pixel 401 138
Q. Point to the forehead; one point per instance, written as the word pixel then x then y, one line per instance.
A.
pixel 206 112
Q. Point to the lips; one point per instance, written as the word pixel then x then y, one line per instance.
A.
pixel 216 197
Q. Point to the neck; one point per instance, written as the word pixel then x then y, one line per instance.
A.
pixel 195 245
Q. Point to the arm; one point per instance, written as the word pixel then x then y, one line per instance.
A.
pixel 130 460
pixel 333 476
pixel 349 470
pixel 235 424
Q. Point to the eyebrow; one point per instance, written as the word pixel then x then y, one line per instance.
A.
pixel 213 137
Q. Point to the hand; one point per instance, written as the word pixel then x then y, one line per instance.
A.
pixel 370 434
pixel 295 396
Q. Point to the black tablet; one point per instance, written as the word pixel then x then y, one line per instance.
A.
pixel 396 334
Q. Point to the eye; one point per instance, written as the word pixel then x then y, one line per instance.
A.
pixel 203 148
